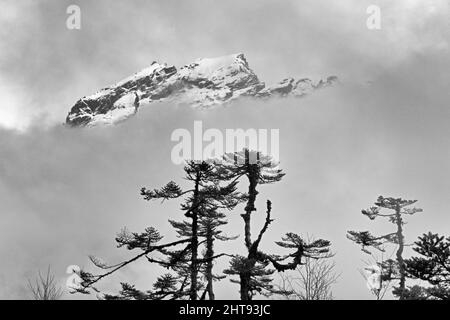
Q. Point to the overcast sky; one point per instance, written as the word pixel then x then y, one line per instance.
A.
pixel 384 130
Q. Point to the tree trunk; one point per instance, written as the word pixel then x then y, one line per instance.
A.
pixel 399 254
pixel 245 286
pixel 209 264
pixel 249 208
pixel 194 241
pixel 245 277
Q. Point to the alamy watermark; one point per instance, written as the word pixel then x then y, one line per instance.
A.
pixel 73 21
pixel 373 22
pixel 213 143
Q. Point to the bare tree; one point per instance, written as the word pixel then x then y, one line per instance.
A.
pixel 311 281
pixel 45 287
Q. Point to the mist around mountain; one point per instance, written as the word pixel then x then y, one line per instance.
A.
pixel 204 83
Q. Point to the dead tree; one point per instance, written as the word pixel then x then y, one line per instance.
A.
pixel 45 287
pixel 312 281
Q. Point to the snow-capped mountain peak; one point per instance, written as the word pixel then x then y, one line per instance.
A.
pixel 204 83
pixel 215 67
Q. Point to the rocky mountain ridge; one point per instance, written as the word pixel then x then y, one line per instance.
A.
pixel 204 83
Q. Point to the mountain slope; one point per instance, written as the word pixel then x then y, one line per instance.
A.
pixel 202 84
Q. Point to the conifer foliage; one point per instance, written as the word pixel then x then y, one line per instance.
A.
pixel 253 269
pixel 213 191
pixel 432 266
pixel 201 206
pixel 397 209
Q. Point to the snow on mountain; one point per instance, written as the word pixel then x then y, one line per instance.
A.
pixel 298 88
pixel 204 83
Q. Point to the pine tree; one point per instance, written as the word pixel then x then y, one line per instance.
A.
pixel 213 191
pixel 432 265
pixel 200 205
pixel 207 195
pixel 253 269
pixel 148 243
pixel 210 222
pixel 390 269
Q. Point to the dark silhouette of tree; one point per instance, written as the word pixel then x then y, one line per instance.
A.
pixel 45 287
pixel 201 205
pixel 213 192
pixel 206 197
pixel 432 265
pixel 390 269
pixel 210 222
pixel 148 243
pixel 253 269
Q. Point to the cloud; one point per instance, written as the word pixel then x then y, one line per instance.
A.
pixel 46 67
pixel 9 113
